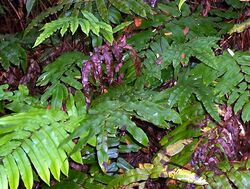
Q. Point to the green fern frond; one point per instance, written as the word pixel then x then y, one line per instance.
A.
pixel 200 47
pixel 64 65
pixel 220 79
pixel 181 95
pixel 102 9
pixel 31 139
pixel 115 111
pixel 231 175
pixel 236 67
pixel 72 23
pixel 41 17
pixel 63 71
pixel 18 57
pixel 121 5
pixel 138 7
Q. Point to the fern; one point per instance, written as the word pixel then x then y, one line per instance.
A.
pixel 41 17
pixel 65 70
pixel 221 79
pixel 32 138
pixel 159 169
pixel 113 115
pixel 91 23
pixel 102 9
pixel 241 95
pixel 18 57
pixel 181 95
pixel 230 175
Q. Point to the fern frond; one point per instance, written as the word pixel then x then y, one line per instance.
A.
pixel 181 95
pixel 41 17
pixel 32 139
pixel 72 23
pixel 139 7
pixel 231 175
pixel 114 113
pixel 61 66
pixel 236 67
pixel 102 9
pixel 63 69
pixel 121 5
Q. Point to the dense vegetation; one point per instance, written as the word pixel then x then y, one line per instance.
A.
pixel 124 94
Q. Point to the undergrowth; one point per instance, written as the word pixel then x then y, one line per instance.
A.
pixel 118 62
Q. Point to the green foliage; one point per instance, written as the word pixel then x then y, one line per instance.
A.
pixel 65 70
pixel 31 138
pixel 112 112
pixel 23 145
pixel 41 17
pixel 230 173
pixel 237 89
pixel 89 23
pixel 181 95
pixel 182 81
pixel 12 53
pixel 18 101
pixel 77 179
pixel 159 168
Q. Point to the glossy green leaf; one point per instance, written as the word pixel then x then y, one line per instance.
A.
pixel 38 160
pixel 85 26
pixel 72 82
pixel 121 5
pixel 50 153
pixel 102 9
pixel 181 2
pixel 74 25
pixel 122 26
pixel 11 171
pixel 138 134
pixel 102 151
pixel 24 167
pixel 59 94
pixel 93 22
pixel 246 112
pixel 29 5
pixel 3 178
pixel 240 102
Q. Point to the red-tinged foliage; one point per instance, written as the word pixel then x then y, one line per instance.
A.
pixel 111 57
